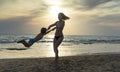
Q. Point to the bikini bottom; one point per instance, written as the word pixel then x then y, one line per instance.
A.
pixel 57 37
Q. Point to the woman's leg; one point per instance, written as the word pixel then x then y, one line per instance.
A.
pixel 56 45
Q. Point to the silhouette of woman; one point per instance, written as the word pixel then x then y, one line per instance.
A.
pixel 58 38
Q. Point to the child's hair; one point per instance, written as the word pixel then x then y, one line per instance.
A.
pixel 43 30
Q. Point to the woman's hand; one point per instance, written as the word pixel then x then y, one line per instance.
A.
pixel 52 25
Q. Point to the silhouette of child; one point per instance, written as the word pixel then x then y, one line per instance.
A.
pixel 37 38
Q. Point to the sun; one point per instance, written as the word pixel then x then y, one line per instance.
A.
pixel 54 10
pixel 55 7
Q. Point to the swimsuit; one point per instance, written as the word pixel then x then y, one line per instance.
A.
pixel 31 41
pixel 59 25
pixel 57 37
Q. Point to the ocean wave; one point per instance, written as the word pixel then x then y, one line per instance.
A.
pixel 67 39
pixel 93 41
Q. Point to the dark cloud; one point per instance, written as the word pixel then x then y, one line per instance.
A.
pixel 91 4
pixel 21 24
pixel 2 2
pixel 17 25
pixel 85 4
pixel 113 19
pixel 104 25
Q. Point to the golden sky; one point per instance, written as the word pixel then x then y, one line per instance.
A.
pixel 87 17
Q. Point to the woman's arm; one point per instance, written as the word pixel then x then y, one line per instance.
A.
pixel 52 25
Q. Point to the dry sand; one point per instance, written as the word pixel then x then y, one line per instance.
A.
pixel 83 63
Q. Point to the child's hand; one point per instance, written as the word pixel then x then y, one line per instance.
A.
pixel 48 28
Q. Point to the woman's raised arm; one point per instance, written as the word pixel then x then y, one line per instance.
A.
pixel 51 25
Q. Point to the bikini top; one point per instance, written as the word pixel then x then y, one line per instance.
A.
pixel 59 24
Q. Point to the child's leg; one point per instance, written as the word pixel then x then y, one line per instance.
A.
pixel 24 43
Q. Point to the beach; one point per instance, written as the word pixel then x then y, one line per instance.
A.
pixel 81 63
pixel 77 54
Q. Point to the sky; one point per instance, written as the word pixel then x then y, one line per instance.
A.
pixel 87 17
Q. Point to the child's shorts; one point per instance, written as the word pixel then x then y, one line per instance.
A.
pixel 31 41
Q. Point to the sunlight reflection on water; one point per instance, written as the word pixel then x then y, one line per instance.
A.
pixel 46 50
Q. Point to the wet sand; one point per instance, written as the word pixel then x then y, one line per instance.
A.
pixel 82 63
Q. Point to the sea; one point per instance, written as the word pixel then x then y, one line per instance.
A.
pixel 72 45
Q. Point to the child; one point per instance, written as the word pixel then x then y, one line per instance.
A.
pixel 37 38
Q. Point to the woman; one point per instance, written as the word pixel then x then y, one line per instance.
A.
pixel 59 32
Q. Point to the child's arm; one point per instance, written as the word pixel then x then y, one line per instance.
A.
pixel 50 30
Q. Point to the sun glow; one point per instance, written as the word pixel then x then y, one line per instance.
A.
pixel 54 2
pixel 51 50
pixel 54 10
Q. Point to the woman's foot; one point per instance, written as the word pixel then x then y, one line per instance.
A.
pixel 56 58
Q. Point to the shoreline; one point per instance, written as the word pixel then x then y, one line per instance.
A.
pixel 81 63
pixel 84 54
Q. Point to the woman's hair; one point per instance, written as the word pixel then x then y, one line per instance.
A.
pixel 43 30
pixel 62 16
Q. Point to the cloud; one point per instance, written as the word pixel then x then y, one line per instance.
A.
pixel 13 8
pixel 22 5
pixel 5 2
pixel 91 4
pixel 112 20
pixel 87 14
pixel 2 2
pixel 98 12
pixel 39 11
pixel 86 4
pixel 20 24
pixel 21 16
